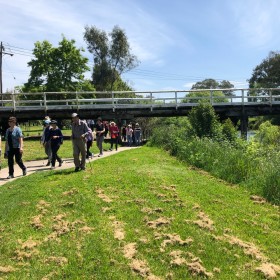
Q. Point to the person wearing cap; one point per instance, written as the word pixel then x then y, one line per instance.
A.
pixel 100 130
pixel 55 137
pixel 47 144
pixel 129 133
pixel 137 134
pixel 79 132
pixel 14 147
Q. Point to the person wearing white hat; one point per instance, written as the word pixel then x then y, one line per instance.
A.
pixel 47 144
pixel 79 132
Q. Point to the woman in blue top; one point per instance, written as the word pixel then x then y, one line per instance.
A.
pixel 14 147
pixel 56 138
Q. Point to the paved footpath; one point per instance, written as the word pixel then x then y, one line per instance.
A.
pixel 40 165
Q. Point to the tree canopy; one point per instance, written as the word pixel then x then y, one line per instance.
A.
pixel 267 73
pixel 213 84
pixel 56 69
pixel 209 84
pixel 111 56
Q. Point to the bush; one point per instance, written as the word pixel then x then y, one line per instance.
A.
pixel 254 165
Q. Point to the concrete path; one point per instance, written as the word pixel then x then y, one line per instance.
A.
pixel 40 165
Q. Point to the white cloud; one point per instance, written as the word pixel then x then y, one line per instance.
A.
pixel 257 21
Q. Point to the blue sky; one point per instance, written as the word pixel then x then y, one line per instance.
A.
pixel 178 42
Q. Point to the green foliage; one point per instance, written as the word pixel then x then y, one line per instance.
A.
pixel 266 74
pixel 205 143
pixel 204 121
pixel 213 84
pixel 112 57
pixel 229 131
pixel 197 96
pixel 57 69
pixel 268 135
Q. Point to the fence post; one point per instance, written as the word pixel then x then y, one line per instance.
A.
pixel 14 101
pixel 77 100
pixel 45 101
pixel 113 100
pixel 270 97
pixel 176 99
pixel 242 96
pixel 211 97
pixel 151 99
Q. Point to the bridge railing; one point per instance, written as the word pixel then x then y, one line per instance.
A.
pixel 137 99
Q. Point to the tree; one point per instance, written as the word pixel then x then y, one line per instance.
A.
pixel 56 69
pixel 112 56
pixel 266 74
pixel 205 122
pixel 213 84
pixel 210 84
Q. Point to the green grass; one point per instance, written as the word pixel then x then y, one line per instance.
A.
pixel 143 185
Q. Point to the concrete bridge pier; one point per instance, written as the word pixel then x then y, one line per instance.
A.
pixel 244 125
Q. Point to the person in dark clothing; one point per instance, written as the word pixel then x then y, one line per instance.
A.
pixel 56 138
pixel 14 147
pixel 124 133
pixel 100 130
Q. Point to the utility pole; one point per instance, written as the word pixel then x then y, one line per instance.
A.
pixel 2 52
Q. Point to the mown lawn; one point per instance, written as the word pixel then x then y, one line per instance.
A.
pixel 137 214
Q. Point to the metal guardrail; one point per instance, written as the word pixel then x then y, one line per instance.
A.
pixel 141 99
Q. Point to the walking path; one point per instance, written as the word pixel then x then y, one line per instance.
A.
pixel 40 165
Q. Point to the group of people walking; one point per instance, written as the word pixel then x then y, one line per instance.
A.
pixel 82 138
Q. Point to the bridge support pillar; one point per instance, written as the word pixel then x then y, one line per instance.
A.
pixel 244 126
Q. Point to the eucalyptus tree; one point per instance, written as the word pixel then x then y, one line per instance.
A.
pixel 111 55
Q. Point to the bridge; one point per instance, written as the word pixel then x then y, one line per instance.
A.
pixel 238 103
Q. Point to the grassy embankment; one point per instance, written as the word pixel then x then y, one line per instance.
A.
pixel 137 214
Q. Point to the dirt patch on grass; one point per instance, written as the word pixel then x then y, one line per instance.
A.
pixel 29 244
pixel 27 250
pixel 86 229
pixel 42 206
pixel 119 232
pixel 130 250
pixel 204 221
pixel 6 269
pixel 104 197
pixel 36 222
pixel 269 270
pixel 142 269
pixel 150 211
pixel 105 209
pixel 196 269
pixel 57 260
pixel 174 239
pixel 249 249
pixel 162 221
pixel 257 199
pixel 71 192
pixel 194 266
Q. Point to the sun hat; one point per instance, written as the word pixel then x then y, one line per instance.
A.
pixel 74 115
pixel 46 122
